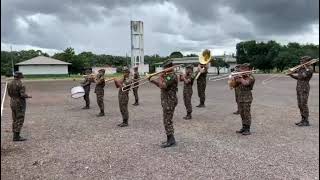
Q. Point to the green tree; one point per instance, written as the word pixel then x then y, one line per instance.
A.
pixel 219 63
pixel 176 54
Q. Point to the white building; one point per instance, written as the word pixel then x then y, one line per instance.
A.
pixel 43 65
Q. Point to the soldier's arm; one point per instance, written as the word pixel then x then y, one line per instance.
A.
pixel 118 83
pixel 86 82
pixel 305 74
pixel 23 92
pixel 158 83
pixel 293 76
pixel 245 81
pixel 188 79
pixel 168 81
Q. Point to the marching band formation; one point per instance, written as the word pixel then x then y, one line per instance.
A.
pixel 241 80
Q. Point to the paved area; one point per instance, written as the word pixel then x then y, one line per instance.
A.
pixel 66 142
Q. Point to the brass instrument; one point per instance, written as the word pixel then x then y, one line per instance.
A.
pixel 204 58
pixel 232 77
pixel 296 68
pixel 290 70
pixel 142 81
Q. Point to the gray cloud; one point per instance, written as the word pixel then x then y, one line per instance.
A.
pixel 102 26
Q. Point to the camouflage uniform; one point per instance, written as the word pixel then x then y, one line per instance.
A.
pixel 99 90
pixel 236 92
pixel 187 93
pixel 136 77
pixel 244 100
pixel 303 87
pixel 123 100
pixel 201 85
pixel 86 86
pixel 169 101
pixel 17 93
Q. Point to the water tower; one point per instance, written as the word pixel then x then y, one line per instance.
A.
pixel 137 51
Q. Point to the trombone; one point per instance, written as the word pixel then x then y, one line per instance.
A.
pixel 296 68
pixel 231 75
pixel 291 70
pixel 142 81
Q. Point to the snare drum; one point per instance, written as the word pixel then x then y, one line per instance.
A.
pixel 77 92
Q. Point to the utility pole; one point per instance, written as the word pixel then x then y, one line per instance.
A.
pixel 12 61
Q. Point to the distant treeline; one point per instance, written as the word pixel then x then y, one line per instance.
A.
pixel 264 56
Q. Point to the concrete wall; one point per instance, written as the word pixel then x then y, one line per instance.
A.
pixel 43 69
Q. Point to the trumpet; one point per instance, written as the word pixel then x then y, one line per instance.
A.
pixel 142 81
pixel 296 68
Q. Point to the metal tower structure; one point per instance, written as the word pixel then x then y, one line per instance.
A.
pixel 137 49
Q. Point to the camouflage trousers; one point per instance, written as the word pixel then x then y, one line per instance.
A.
pixel 245 112
pixel 135 93
pixel 302 97
pixel 18 109
pixel 100 101
pixel 187 94
pixel 123 105
pixel 86 98
pixel 201 85
pixel 167 119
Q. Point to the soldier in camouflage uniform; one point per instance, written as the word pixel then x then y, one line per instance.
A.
pixel 123 96
pixel 168 83
pixel 86 86
pixel 17 93
pixel 245 98
pixel 202 83
pixel 236 91
pixel 303 77
pixel 99 90
pixel 136 77
pixel 187 90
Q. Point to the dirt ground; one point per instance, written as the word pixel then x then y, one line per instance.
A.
pixel 66 142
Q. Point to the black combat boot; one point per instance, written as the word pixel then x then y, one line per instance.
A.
pixel 124 123
pixel 246 130
pixel 100 114
pixel 17 137
pixel 241 130
pixel 201 105
pixel 188 116
pixel 237 112
pixel 86 107
pixel 136 103
pixel 165 142
pixel 304 122
pixel 171 141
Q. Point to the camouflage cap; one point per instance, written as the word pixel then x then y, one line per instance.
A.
pixel 306 58
pixel 135 67
pixel 125 69
pixel 102 70
pixel 18 74
pixel 167 64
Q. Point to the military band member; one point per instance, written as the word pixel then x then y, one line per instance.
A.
pixel 245 85
pixel 303 77
pixel 99 90
pixel 123 96
pixel 136 77
pixel 86 86
pixel 17 93
pixel 188 79
pixel 236 91
pixel 202 83
pixel 168 83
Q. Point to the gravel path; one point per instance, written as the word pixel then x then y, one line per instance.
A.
pixel 66 142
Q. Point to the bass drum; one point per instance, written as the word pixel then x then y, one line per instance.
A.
pixel 77 92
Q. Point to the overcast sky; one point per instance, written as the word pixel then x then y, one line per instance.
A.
pixel 103 26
